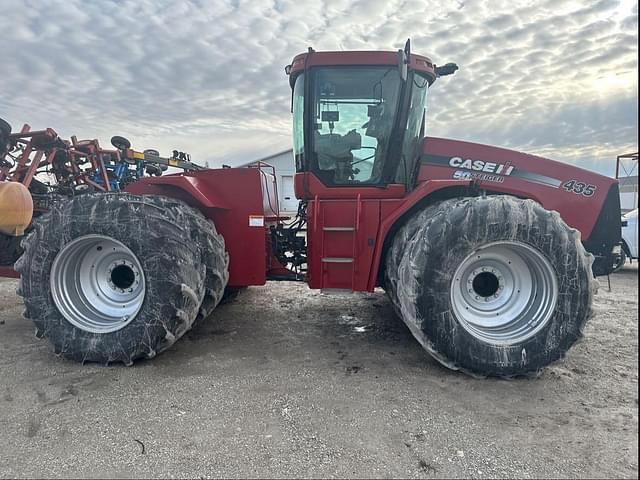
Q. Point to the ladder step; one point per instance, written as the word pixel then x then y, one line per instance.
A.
pixel 338 229
pixel 337 260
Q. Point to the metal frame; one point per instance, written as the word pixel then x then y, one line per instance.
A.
pixel 619 163
pixel 35 152
pixel 622 162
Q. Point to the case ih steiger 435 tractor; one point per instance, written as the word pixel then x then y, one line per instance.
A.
pixel 486 253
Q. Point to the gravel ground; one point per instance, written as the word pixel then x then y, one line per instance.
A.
pixel 288 382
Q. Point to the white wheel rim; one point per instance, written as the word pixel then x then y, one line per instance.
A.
pixel 504 292
pixel 97 283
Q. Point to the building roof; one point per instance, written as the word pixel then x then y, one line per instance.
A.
pixel 265 159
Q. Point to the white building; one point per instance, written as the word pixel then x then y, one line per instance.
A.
pixel 285 171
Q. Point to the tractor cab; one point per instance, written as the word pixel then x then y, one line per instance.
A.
pixel 358 117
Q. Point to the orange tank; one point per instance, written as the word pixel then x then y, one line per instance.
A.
pixel 16 208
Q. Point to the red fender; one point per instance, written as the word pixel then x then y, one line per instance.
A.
pixel 190 189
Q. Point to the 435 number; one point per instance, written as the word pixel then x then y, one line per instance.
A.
pixel 579 188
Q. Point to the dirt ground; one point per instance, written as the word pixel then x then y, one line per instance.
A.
pixel 288 382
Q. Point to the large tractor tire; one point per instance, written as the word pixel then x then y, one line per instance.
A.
pixel 117 277
pixel 492 286
pixel 216 261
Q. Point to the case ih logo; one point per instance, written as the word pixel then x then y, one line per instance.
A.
pixel 481 166
pixel 488 171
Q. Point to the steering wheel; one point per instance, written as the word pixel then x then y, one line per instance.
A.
pixel 375 151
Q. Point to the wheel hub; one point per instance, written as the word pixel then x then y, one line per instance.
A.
pixel 97 284
pixel 504 292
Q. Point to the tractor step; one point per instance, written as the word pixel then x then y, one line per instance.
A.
pixel 337 260
pixel 338 229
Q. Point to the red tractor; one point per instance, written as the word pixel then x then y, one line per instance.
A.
pixel 486 253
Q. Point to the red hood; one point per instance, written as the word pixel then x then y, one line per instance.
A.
pixel 576 193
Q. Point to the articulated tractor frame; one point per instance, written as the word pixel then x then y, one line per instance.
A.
pixel 487 254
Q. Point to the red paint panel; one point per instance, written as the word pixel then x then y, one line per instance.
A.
pixel 228 196
pixel 579 211
pixel 8 272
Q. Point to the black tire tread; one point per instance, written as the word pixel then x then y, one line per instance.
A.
pixel 216 261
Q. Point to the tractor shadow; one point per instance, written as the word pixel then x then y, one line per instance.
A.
pixel 286 322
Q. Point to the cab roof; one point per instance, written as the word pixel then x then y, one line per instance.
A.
pixel 312 58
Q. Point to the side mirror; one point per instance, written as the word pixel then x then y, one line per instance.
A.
pixel 447 69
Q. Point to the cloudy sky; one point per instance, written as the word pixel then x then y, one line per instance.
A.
pixel 553 77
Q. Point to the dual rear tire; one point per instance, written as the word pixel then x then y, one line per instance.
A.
pixel 118 277
pixel 493 286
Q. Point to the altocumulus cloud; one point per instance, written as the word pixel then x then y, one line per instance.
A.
pixel 556 78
